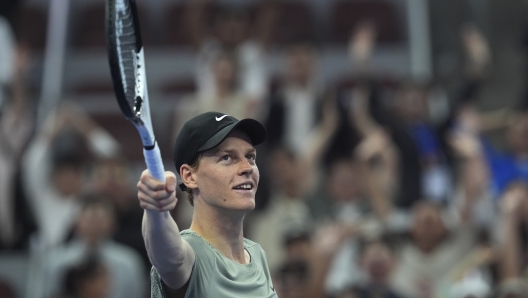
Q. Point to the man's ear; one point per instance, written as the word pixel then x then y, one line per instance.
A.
pixel 187 176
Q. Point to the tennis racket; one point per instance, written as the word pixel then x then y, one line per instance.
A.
pixel 127 66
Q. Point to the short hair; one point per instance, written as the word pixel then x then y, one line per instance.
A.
pixel 194 164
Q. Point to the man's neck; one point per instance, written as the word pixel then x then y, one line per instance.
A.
pixel 222 230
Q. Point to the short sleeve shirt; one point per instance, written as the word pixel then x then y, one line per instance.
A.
pixel 215 275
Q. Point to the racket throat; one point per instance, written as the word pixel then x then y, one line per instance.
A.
pixel 147 137
pixel 138 104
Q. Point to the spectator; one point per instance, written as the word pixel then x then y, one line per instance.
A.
pixel 488 172
pixel 93 231
pixel 425 167
pixel 326 242
pixel 294 176
pixel 227 97
pixel 52 170
pixel 112 181
pixel 513 220
pixel 295 109
pixel 357 199
pixel 432 252
pixel 512 165
pixel 378 260
pixel 230 32
pixel 286 212
pixel 291 280
pixel 16 127
pixel 89 279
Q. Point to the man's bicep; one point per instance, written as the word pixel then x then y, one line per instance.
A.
pixel 179 277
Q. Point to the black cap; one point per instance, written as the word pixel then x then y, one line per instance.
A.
pixel 207 131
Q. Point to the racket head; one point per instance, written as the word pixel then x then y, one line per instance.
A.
pixel 127 66
pixel 123 43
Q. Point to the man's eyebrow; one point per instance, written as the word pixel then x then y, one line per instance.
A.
pixel 231 150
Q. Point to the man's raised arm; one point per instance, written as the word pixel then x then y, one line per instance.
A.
pixel 172 256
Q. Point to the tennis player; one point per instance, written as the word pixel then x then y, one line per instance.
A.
pixel 215 156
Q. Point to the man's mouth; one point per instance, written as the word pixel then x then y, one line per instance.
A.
pixel 244 186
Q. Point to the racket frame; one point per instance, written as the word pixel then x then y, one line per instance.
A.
pixel 139 114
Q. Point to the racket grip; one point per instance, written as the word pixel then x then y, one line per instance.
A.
pixel 155 163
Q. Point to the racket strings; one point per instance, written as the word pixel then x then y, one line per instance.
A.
pixel 126 51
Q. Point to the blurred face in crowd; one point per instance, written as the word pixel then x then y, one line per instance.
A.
pixel 428 229
pixel 348 293
pixel 378 261
pixel 232 28
pixel 96 223
pixel 112 181
pixel 285 172
pixel 300 65
pixel 298 249
pixel 291 281
pixel 344 183
pixel 225 72
pixel 411 104
pixel 95 286
pixel 67 179
pixel 517 135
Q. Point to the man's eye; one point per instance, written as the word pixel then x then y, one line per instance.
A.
pixel 251 156
pixel 226 157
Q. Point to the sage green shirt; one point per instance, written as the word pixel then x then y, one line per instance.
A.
pixel 214 275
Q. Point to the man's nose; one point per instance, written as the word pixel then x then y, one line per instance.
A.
pixel 246 168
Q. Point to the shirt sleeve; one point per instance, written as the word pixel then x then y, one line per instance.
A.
pixel 204 265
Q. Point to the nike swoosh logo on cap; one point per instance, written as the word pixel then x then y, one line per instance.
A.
pixel 220 118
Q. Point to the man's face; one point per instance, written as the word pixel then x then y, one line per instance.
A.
pixel 227 176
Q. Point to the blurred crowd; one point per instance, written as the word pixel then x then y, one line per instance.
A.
pixel 374 190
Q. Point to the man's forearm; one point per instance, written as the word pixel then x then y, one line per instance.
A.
pixel 172 257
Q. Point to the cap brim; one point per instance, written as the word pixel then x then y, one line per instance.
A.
pixel 253 128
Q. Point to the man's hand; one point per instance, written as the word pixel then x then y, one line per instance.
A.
pixel 154 195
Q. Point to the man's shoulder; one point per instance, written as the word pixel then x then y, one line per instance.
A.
pixel 249 243
pixel 192 238
pixel 254 249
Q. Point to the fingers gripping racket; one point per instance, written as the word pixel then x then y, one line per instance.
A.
pixel 127 66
